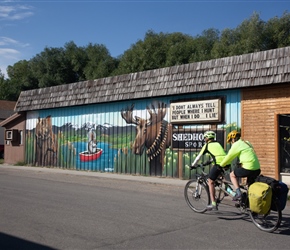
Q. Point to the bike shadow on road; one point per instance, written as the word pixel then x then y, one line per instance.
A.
pixel 285 224
pixel 227 213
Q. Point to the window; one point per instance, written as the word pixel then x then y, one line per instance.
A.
pixel 20 137
pixel 9 135
pixel 284 143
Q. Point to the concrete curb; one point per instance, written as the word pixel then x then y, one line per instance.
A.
pixel 153 180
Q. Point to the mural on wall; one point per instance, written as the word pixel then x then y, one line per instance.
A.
pixel 45 143
pixel 93 152
pixel 123 137
pixel 152 133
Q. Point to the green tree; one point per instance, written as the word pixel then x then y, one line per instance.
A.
pixel 22 76
pixel 144 55
pixel 2 86
pixel 249 36
pixel 7 91
pixel 204 45
pixel 226 44
pixel 99 62
pixel 277 31
pixel 51 67
pixel 78 59
pixel 179 48
pixel 156 51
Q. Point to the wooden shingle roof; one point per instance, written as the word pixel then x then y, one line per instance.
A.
pixel 260 68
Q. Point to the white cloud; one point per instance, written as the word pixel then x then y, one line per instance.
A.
pixel 6 41
pixel 9 53
pixel 8 57
pixel 17 12
pixel 10 49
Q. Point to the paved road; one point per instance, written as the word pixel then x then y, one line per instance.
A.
pixel 42 208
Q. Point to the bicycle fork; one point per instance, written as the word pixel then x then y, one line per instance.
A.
pixel 198 188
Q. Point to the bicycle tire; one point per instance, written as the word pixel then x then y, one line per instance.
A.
pixel 267 222
pixel 197 201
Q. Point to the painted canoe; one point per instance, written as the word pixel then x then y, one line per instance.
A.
pixel 87 156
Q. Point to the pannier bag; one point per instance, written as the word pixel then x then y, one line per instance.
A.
pixel 269 180
pixel 280 195
pixel 279 191
pixel 260 197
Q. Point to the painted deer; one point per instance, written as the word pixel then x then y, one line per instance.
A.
pixel 152 133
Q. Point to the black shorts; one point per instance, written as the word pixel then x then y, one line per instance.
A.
pixel 250 174
pixel 214 172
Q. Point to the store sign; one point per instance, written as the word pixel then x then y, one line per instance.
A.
pixel 196 111
pixel 187 139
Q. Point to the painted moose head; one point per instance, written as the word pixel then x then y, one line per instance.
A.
pixel 151 133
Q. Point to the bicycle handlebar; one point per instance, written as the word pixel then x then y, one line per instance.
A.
pixel 202 165
pixel 198 166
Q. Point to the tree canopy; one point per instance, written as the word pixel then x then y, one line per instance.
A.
pixel 55 66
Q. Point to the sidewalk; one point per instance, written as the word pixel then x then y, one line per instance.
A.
pixel 153 180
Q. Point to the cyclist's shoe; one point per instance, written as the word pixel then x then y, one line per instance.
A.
pixel 237 197
pixel 211 207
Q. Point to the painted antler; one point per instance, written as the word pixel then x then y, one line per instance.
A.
pixel 154 116
pixel 127 115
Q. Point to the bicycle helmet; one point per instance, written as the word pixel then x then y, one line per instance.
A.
pixel 209 135
pixel 233 135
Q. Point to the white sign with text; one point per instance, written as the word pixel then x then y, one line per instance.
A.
pixel 196 111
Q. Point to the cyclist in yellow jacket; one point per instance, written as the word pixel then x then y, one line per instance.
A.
pixel 250 165
pixel 217 153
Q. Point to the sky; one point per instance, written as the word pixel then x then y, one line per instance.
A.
pixel 28 27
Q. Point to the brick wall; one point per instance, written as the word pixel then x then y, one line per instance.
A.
pixel 260 107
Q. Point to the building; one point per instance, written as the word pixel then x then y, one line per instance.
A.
pixel 6 110
pixel 152 122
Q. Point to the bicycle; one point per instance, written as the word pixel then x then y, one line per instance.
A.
pixel 197 196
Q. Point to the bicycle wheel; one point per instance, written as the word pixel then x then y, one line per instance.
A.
pixel 268 222
pixel 196 196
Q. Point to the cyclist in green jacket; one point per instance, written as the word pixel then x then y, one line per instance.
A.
pixel 250 165
pixel 217 153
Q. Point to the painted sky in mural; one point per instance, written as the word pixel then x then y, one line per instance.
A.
pixel 110 114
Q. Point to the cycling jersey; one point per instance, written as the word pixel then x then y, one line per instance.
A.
pixel 246 154
pixel 213 148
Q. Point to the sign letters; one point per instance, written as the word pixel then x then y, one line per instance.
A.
pixel 188 140
pixel 196 111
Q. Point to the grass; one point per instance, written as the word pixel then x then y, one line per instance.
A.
pixel 20 163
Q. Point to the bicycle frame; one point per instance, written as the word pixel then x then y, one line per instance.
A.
pixel 197 196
